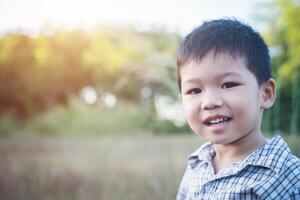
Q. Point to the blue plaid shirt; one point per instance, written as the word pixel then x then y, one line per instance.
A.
pixel 271 172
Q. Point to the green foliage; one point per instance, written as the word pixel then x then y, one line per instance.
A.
pixel 283 37
pixel 78 118
pixel 81 119
pixel 8 125
pixel 41 72
pixel 159 126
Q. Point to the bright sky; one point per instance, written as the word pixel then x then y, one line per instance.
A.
pixel 177 15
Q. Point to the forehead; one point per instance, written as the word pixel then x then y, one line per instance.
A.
pixel 212 64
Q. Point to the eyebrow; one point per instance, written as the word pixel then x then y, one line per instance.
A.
pixel 219 77
pixel 229 74
pixel 191 81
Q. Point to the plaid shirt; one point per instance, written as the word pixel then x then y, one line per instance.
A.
pixel 271 172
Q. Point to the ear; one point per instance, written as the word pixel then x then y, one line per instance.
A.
pixel 268 94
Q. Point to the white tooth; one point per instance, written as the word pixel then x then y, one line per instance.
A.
pixel 218 120
pixel 214 121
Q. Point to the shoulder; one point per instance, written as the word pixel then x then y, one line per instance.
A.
pixel 291 170
pixel 282 171
pixel 286 182
pixel 289 176
pixel 292 164
pixel 195 165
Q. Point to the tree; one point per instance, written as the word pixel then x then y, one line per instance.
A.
pixel 283 35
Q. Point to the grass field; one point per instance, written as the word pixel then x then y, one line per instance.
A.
pixel 137 167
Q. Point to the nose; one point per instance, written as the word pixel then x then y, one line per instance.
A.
pixel 211 100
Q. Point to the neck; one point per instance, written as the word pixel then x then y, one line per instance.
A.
pixel 227 154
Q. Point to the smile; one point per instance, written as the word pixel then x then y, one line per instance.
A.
pixel 218 121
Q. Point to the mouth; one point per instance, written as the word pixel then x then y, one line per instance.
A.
pixel 217 120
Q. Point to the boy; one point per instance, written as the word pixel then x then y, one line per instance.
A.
pixel 225 83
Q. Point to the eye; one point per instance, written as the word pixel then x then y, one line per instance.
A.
pixel 230 85
pixel 193 91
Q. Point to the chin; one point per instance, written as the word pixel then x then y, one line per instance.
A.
pixel 220 140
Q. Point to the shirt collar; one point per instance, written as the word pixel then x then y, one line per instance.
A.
pixel 267 156
pixel 272 155
pixel 203 155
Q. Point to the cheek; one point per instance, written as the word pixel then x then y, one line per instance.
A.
pixel 190 109
pixel 244 106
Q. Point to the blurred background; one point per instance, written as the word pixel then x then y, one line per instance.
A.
pixel 88 97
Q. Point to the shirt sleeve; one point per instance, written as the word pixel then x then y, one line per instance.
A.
pixel 182 191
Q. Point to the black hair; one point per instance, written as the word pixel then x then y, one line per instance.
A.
pixel 226 36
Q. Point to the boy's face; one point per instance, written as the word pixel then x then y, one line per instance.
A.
pixel 222 99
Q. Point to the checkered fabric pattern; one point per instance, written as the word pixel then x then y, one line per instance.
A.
pixel 271 172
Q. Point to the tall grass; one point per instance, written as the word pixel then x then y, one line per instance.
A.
pixel 134 167
pixel 142 167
